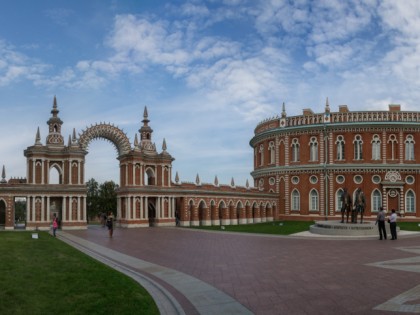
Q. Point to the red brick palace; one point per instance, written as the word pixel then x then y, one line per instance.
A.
pixel 147 196
pixel 308 160
pixel 302 164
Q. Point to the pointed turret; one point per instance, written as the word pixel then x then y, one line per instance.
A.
pixel 283 111
pixel 327 106
pixel 54 136
pixel 3 176
pixel 38 138
pixel 146 144
pixel 247 184
pixel 232 183
pixel 136 142
pixel 216 181
pixel 197 180
pixel 164 145
pixel 176 178
pixel 283 116
pixel 327 115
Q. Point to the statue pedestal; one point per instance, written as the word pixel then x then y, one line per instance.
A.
pixel 367 228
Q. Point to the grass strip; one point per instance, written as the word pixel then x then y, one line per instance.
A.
pixel 47 276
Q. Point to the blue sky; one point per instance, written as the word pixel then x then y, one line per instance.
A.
pixel 208 72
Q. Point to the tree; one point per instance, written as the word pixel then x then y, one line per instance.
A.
pixel 108 197
pixel 92 200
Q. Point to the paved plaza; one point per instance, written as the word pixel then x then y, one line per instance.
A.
pixel 198 272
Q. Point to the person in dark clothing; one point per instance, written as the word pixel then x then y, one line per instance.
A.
pixel 110 224
pixel 380 221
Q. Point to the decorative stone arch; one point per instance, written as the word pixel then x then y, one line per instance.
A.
pixel 105 131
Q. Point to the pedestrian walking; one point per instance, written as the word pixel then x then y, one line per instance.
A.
pixel 55 224
pixel 393 224
pixel 110 224
pixel 380 221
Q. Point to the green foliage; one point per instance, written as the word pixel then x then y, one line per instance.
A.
pixel 20 210
pixel 92 199
pixel 101 197
pixel 108 197
pixel 46 276
pixel 276 227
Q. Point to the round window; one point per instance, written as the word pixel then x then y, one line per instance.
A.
pixel 295 180
pixel 409 180
pixel 358 179
pixel 340 179
pixel 376 179
pixel 313 179
pixel 272 180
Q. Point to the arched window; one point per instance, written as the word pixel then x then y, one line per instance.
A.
pixel 295 200
pixel 313 196
pixel 392 141
pixel 376 200
pixel 149 177
pixel 376 148
pixel 357 142
pixel 261 154
pixel 272 150
pixel 295 150
pixel 338 202
pixel 410 202
pixel 409 148
pixel 340 147
pixel 313 149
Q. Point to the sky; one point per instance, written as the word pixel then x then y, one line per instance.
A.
pixel 208 72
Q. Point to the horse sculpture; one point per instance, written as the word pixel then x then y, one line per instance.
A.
pixel 345 205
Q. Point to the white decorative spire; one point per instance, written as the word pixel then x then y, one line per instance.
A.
pixel 3 176
pixel 232 182
pixel 38 138
pixel 176 178
pixel 197 180
pixel 216 181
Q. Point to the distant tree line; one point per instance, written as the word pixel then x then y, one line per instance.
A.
pixel 101 198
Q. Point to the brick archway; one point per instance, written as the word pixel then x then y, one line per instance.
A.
pixel 108 132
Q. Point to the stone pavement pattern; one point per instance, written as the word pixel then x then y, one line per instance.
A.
pixel 271 274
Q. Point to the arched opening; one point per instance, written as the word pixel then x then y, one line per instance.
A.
pixel 54 176
pixel 152 211
pixel 101 163
pixel 149 177
pixel 202 213
pixel 20 212
pixel 2 213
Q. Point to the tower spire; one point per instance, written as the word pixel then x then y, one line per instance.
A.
pixel 3 176
pixel 38 138
pixel 146 144
pixel 54 135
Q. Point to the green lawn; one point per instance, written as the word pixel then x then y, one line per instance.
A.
pixel 276 227
pixel 47 276
pixel 286 227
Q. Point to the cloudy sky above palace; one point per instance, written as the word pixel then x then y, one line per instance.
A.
pixel 208 71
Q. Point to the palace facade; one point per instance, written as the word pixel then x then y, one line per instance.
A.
pixel 147 195
pixel 302 164
pixel 308 160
